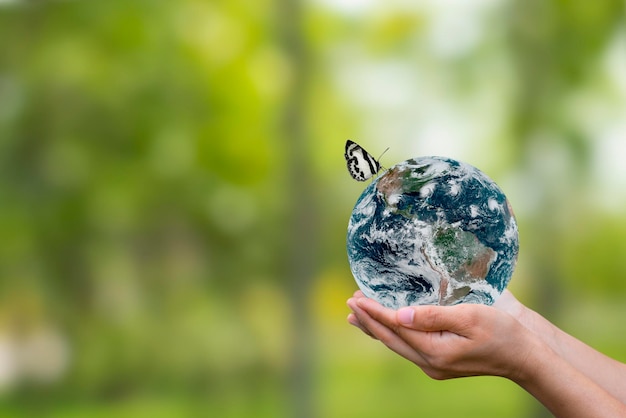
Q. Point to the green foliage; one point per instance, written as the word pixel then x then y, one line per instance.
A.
pixel 146 189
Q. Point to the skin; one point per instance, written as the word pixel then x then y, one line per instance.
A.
pixel 507 339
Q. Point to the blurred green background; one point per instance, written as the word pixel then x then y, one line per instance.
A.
pixel 174 198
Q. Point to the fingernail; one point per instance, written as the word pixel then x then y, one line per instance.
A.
pixel 405 316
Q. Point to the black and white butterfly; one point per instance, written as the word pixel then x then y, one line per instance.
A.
pixel 361 164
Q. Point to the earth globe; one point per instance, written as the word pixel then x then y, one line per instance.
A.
pixel 432 231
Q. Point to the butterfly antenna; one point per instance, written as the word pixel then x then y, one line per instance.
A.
pixel 381 155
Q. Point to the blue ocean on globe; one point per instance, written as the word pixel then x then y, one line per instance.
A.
pixel 432 231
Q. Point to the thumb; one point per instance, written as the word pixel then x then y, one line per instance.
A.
pixel 427 318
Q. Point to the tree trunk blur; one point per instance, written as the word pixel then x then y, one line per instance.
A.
pixel 302 237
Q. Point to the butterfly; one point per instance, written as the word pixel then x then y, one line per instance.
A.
pixel 361 164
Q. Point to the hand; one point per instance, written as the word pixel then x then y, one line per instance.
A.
pixel 451 341
pixel 570 378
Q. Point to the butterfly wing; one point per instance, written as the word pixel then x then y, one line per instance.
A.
pixel 361 165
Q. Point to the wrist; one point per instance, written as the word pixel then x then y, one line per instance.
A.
pixel 531 320
pixel 541 327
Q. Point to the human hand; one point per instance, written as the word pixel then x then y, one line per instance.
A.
pixel 571 379
pixel 451 341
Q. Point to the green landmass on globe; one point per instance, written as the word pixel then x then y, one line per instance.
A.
pixel 432 230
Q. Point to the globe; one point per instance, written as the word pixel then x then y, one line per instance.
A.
pixel 432 231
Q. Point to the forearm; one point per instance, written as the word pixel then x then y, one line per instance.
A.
pixel 563 389
pixel 571 379
pixel 606 372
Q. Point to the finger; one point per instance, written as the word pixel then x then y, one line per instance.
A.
pixel 415 335
pixel 377 311
pixel 353 320
pixel 436 318
pixel 387 336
